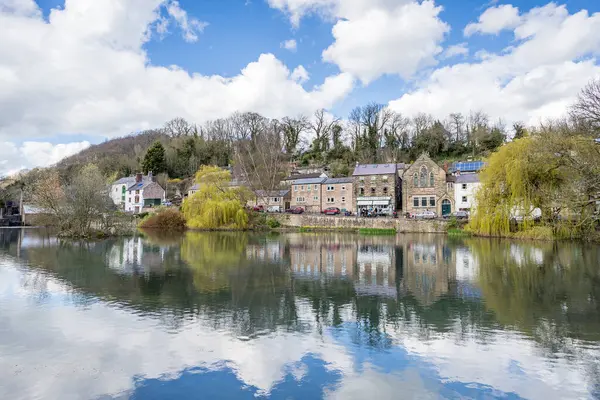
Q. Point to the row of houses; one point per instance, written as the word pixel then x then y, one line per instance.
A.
pixel 409 188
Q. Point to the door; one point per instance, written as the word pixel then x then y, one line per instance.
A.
pixel 446 207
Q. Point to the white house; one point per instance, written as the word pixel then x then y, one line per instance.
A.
pixel 465 189
pixel 143 193
pixel 119 188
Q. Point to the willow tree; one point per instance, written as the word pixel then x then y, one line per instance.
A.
pixel 216 205
pixel 520 177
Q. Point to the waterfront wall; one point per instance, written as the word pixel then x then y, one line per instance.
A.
pixel 401 225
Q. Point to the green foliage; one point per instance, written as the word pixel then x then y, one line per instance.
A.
pixel 273 223
pixel 215 205
pixel 376 231
pixel 155 160
pixel 168 219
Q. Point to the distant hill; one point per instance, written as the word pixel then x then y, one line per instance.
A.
pixel 121 155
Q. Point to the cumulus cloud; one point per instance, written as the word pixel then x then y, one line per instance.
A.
pixel 494 20
pixel 300 74
pixel 376 37
pixel 84 70
pixel 535 79
pixel 290 45
pixel 456 50
pixel 14 158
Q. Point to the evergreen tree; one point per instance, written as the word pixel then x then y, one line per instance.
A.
pixel 155 159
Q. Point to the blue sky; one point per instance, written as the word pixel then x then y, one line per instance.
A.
pixel 524 60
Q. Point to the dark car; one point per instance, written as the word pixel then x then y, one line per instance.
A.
pixel 332 211
pixel 295 210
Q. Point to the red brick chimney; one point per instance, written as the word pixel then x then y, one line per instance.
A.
pixel 138 178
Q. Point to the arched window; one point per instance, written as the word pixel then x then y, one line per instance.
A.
pixel 416 180
pixel 431 180
pixel 424 176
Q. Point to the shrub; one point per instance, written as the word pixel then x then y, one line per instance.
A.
pixel 273 223
pixel 169 219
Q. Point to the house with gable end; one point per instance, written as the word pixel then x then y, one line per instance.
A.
pixel 426 187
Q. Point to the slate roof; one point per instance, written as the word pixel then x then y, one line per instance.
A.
pixel 308 181
pixel 467 178
pixel 272 193
pixel 333 181
pixel 130 180
pixel 374 169
pixel 304 176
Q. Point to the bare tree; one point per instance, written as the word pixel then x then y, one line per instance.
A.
pixel 457 124
pixel 321 126
pixel 422 122
pixel 179 127
pixel 587 107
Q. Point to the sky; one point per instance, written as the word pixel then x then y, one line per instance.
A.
pixel 78 72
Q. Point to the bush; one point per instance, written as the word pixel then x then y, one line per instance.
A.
pixel 169 219
pixel 273 223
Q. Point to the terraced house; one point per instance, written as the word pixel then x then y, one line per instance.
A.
pixel 338 192
pixel 377 186
pixel 306 193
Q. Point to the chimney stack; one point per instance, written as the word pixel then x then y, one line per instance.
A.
pixel 138 177
pixel 150 177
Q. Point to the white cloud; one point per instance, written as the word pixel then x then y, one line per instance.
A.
pixel 290 45
pixel 84 70
pixel 398 41
pixel 300 74
pixel 14 158
pixel 537 78
pixel 460 49
pixel 191 27
pixel 376 37
pixel 494 20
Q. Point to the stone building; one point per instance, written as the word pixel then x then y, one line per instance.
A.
pixel 425 187
pixel 306 193
pixel 274 200
pixel 338 192
pixel 377 186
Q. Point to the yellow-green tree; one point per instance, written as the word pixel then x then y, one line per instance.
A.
pixel 215 205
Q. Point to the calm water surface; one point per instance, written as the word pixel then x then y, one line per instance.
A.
pixel 297 316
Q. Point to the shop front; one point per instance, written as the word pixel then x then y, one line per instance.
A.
pixel 374 205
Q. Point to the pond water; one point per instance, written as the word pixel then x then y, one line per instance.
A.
pixel 297 316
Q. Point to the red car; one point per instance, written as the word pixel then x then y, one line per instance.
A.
pixel 332 211
pixel 295 210
pixel 258 208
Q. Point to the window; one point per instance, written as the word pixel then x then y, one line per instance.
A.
pixel 137 199
pixel 423 201
pixel 316 198
pixel 362 191
pixel 137 192
pixel 431 179
pixel 330 188
pixel 300 199
pixel 424 175
pixel 275 199
pixel 385 190
pixel 316 187
pixel 296 187
pixel 308 187
pixel 302 187
pixel 432 202
pixel 116 189
pixel 343 199
pixel 384 178
pixel 372 190
pixel 343 187
pixel 415 202
pixel 464 199
pixel 450 185
pixel 331 200
pixel 464 186
pixel 362 178
pixel 415 180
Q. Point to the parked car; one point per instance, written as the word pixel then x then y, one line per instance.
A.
pixel 258 208
pixel 331 211
pixel 425 215
pixel 348 213
pixel 458 215
pixel 274 209
pixel 295 210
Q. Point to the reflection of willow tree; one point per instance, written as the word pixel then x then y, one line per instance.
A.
pixel 551 291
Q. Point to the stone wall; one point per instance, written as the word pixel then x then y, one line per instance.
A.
pixel 401 225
